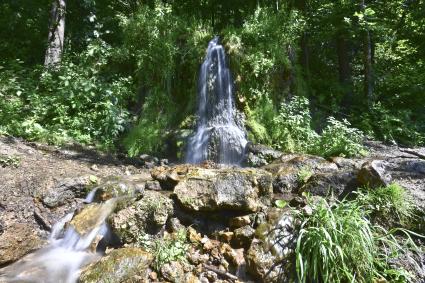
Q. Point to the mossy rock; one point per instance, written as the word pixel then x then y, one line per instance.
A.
pixel 121 265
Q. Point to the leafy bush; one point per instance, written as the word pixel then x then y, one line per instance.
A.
pixel 393 126
pixel 339 139
pixel 171 247
pixel 292 131
pixel 75 102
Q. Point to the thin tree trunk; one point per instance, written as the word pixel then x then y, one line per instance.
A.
pixel 56 34
pixel 344 69
pixel 367 60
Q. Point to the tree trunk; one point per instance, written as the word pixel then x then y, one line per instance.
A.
pixel 344 69
pixel 56 34
pixel 367 59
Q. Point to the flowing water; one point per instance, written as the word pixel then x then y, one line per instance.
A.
pixel 218 137
pixel 65 254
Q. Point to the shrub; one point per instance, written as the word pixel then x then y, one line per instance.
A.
pixel 75 102
pixel 339 139
pixel 148 136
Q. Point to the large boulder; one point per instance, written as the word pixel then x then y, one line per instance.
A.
pixel 286 170
pixel 147 215
pixel 374 174
pixel 259 155
pixel 338 184
pixel 66 190
pixel 237 189
pixel 121 265
pixel 129 186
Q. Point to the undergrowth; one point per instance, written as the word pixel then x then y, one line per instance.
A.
pixel 171 247
pixel 339 241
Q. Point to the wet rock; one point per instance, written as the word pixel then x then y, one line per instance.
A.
pixel 121 265
pixel 65 191
pixel 92 216
pixel 243 236
pixel 173 272
pixel 16 241
pixel 338 184
pixel 130 186
pixel 374 174
pixel 147 215
pixel 287 168
pixel 224 189
pixel 259 155
pixel 269 256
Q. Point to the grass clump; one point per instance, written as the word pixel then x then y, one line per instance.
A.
pixel 388 204
pixel 341 241
pixel 335 244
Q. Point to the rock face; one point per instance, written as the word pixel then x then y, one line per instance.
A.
pixel 121 265
pixel 147 215
pixel 130 186
pixel 338 184
pixel 286 170
pixel 224 189
pixel 17 241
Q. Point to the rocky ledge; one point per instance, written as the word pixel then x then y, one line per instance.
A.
pixel 183 223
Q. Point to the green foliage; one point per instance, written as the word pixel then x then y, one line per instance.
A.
pixel 75 102
pixel 335 244
pixel 290 129
pixel 148 136
pixel 339 139
pixel 171 247
pixel 339 243
pixel 388 204
pixel 9 160
pixel 391 126
pixel 304 174
pixel 293 131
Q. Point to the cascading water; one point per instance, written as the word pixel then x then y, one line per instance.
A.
pixel 218 137
pixel 64 256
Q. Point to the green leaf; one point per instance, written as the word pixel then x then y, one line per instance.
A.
pixel 280 203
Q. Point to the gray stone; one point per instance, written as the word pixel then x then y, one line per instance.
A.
pixel 65 191
pixel 121 265
pixel 374 174
pixel 224 189
pixel 173 272
pixel 147 215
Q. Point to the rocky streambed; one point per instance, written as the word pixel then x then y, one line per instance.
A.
pixel 157 222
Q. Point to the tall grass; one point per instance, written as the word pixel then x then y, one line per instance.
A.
pixel 338 242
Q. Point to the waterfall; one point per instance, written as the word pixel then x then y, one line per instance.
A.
pixel 218 136
pixel 65 254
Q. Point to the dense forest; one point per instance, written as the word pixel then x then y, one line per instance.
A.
pixel 125 72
